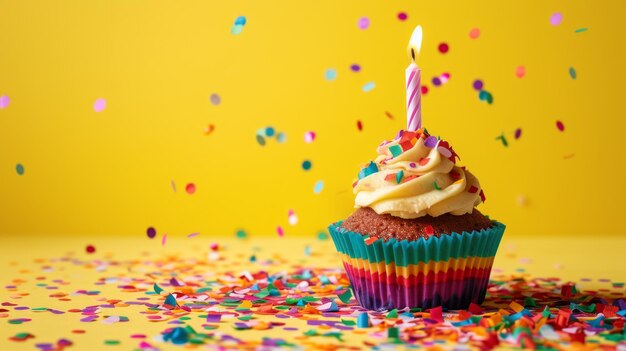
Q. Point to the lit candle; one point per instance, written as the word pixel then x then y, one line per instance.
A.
pixel 414 83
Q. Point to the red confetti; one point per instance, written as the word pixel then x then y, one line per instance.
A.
pixel 518 133
pixel 423 161
pixel 429 230
pixel 443 48
pixel 482 196
pixel 473 189
pixel 424 89
pixel 359 125
pixel 560 126
pixel 402 16
pixel 370 240
pixel 436 314
pixel 475 309
pixel 190 188
pixel 90 249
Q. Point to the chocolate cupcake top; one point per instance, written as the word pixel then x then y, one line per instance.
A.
pixel 416 175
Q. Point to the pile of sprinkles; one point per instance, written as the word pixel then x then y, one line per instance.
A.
pixel 213 302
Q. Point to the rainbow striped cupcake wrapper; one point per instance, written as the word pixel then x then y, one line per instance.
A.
pixel 451 271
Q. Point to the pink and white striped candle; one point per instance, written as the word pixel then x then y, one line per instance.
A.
pixel 413 97
pixel 414 83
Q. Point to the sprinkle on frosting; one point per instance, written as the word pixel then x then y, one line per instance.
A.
pixel 416 175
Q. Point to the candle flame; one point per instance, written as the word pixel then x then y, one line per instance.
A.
pixel 415 43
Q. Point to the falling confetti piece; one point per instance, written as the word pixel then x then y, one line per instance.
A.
pixel 359 125
pixel 193 235
pixel 520 71
pixel 4 101
pixel 474 33
pixel 173 185
pixel 151 232
pixel 560 126
pixel 330 74
pixel 209 129
pixel 306 165
pixel 216 99
pixel 556 18
pixel 572 72
pixel 190 188
pixel 309 137
pixel 163 239
pixel 478 84
pixel 402 16
pixel 484 95
pixel 260 139
pixel 241 234
pixel 424 89
pixel 388 114
pixel 238 26
pixel 355 68
pixel 292 218
pixel 319 186
pixel 363 23
pixel 436 81
pixel 90 249
pixel 369 87
pixel 503 139
pixel 279 231
pixel 443 48
pixel 269 131
pixel 281 137
pixel 99 105
pixel 518 133
pixel 580 30
pixel 19 168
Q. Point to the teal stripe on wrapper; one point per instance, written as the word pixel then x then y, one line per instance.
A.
pixel 483 243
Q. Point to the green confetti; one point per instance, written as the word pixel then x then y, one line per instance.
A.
pixel 348 322
pixel 399 176
pixel 111 342
pixel 395 150
pixel 392 314
pixel 580 30
pixel 345 297
pixel 436 186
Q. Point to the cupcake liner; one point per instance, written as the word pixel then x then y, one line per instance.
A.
pixel 451 271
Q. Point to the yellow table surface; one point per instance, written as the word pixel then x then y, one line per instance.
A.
pixel 36 263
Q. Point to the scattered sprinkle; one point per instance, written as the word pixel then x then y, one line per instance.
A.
pixel 572 72
pixel 330 74
pixel 518 133
pixel 359 125
pixel 151 232
pixel 355 67
pixel 443 48
pixel 192 235
pixel 164 239
pixel 4 101
pixel 503 139
pixel 99 105
pixel 309 137
pixel 281 137
pixel 424 89
pixel 556 18
pixel 237 28
pixel 90 249
pixel 173 185
pixel 209 129
pixel 241 234
pixel 520 71
pixel 402 16
pixel 292 217
pixel 560 126
pixel 190 188
pixel 580 30
pixel 474 33
pixel 216 99
pixel 306 165
pixel 363 23
pixel 19 168
pixel 279 231
pixel 319 186
pixel 478 85
pixel 369 87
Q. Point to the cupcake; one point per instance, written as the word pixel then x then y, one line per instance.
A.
pixel 415 238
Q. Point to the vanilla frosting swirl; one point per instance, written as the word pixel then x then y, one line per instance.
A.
pixel 416 175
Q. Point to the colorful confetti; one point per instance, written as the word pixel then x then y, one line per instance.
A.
pixel 369 87
pixel 518 133
pixel 306 165
pixel 402 16
pixel 363 23
pixel 151 232
pixel 359 125
pixel 520 71
pixel 443 48
pixel 309 137
pixel 190 188
pixel 355 68
pixel 292 218
pixel 556 18
pixel 560 126
pixel 237 28
pixel 318 187
pixel 280 231
pixel 99 105
pixel 572 73
pixel 90 249
pixel 19 168
pixel 474 33
pixel 215 99
pixel 330 74
pixel 477 84
pixel 4 101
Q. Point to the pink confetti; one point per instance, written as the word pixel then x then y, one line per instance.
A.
pixel 474 33
pixel 402 16
pixel 190 188
pixel 520 71
pixel 4 101
pixel 164 239
pixel 280 231
pixel 363 23
pixel 556 18
pixel 560 126
pixel 99 105
pixel 193 235
pixel 309 137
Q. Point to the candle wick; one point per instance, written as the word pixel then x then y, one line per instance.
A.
pixel 413 54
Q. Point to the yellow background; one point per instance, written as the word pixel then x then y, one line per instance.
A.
pixel 157 63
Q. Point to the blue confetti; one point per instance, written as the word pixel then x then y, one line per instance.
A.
pixel 363 320
pixel 19 168
pixel 330 74
pixel 369 87
pixel 572 72
pixel 319 186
